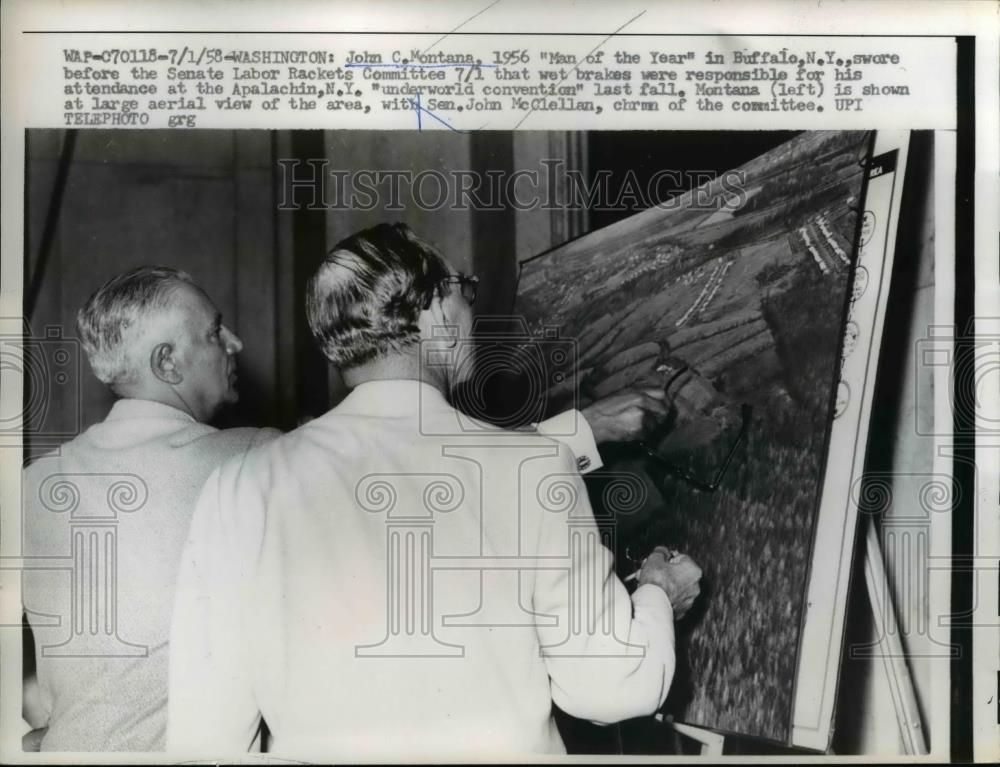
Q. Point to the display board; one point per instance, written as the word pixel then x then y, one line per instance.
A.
pixel 745 299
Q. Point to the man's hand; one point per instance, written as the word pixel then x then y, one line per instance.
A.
pixel 627 415
pixel 677 574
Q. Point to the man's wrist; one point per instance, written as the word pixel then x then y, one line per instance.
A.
pixel 654 596
pixel 572 429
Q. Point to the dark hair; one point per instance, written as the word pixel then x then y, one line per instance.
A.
pixel 364 300
pixel 117 310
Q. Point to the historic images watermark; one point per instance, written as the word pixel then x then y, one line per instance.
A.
pixel 972 357
pixel 504 489
pixel 49 364
pixel 316 185
pixel 86 509
pixel 92 505
pixel 499 346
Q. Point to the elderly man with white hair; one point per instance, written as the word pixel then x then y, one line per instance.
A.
pixel 101 625
pixel 101 622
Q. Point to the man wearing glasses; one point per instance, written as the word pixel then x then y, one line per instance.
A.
pixel 619 417
pixel 387 582
pixel 76 712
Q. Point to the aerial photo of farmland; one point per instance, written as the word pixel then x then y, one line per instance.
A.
pixel 730 299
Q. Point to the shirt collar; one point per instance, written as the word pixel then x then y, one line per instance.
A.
pixel 396 397
pixel 125 409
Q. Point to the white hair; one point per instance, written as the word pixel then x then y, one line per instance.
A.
pixel 120 308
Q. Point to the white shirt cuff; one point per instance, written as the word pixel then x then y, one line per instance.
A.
pixel 650 596
pixel 572 429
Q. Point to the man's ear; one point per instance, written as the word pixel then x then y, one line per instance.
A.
pixel 164 365
pixel 437 325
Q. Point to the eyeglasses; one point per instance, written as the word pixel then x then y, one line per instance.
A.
pixel 685 474
pixel 712 484
pixel 468 284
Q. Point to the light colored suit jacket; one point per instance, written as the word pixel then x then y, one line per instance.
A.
pixel 105 518
pixel 392 581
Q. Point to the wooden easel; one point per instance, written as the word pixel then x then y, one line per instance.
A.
pixel 897 673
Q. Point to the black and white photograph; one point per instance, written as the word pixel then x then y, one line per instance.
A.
pixel 710 324
pixel 464 440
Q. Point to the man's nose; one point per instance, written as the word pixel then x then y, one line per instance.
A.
pixel 233 343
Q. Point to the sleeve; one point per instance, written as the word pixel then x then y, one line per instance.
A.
pixel 211 709
pixel 36 702
pixel 609 657
pixel 571 429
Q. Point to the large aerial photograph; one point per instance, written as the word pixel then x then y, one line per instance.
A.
pixel 732 298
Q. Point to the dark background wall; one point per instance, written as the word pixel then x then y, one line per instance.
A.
pixel 200 202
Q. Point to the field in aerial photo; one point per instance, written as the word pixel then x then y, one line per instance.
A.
pixel 739 302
